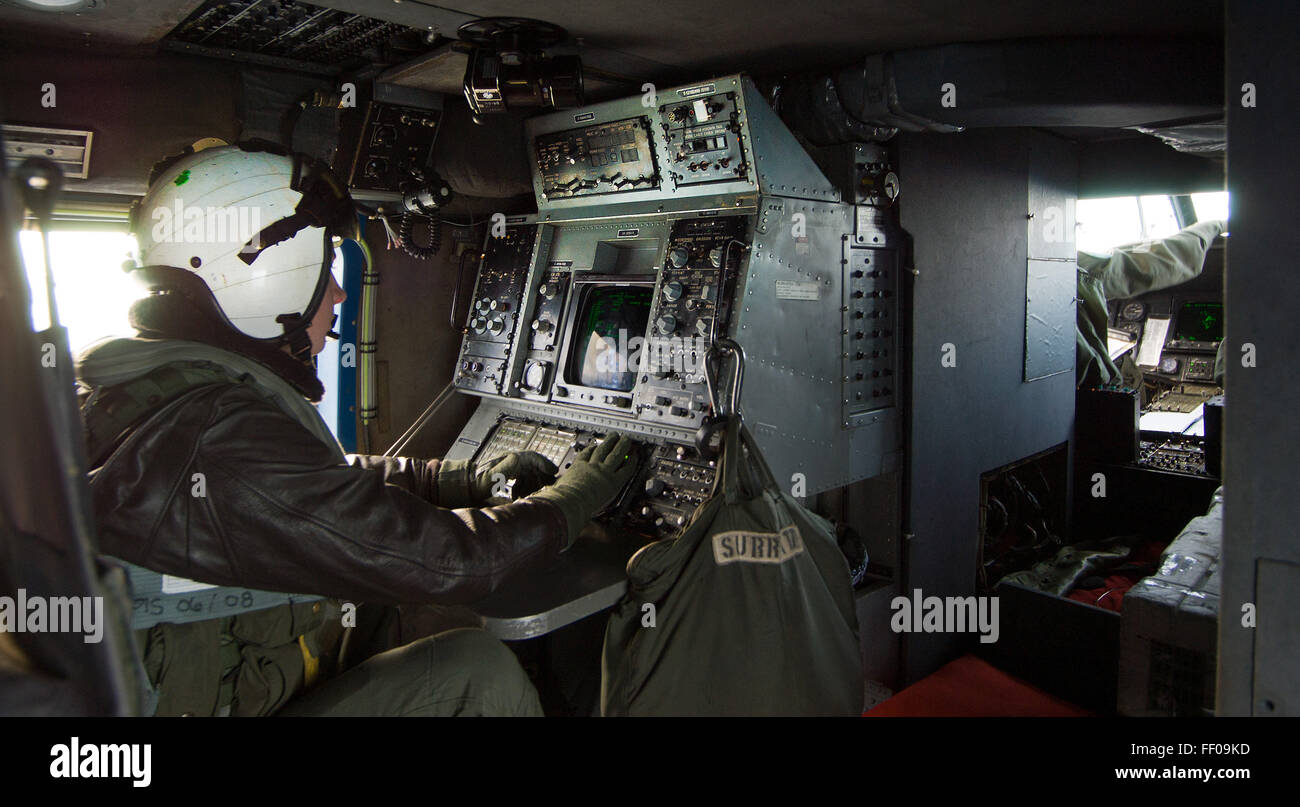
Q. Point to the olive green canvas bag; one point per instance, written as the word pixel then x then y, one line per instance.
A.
pixel 749 612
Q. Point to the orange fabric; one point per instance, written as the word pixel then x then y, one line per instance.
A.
pixel 971 687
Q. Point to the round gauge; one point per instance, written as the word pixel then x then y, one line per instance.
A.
pixel 1133 311
pixel 891 186
pixel 535 376
pixel 1169 366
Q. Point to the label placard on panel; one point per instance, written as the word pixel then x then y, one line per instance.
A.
pixel 798 290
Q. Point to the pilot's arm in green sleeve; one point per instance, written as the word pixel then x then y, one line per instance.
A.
pixel 1126 272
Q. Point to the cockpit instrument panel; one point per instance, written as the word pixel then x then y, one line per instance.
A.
pixel 668 222
pixel 703 136
pixel 602 158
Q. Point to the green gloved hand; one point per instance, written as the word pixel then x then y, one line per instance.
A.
pixel 511 476
pixel 591 483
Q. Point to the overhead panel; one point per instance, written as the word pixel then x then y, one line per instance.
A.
pixel 294 35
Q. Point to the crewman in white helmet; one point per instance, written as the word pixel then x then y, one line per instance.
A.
pixel 210 464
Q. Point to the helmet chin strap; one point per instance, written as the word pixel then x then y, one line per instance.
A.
pixel 296 336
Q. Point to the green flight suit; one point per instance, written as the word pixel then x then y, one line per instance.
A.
pixel 1127 272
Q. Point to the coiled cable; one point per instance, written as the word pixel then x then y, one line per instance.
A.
pixel 406 230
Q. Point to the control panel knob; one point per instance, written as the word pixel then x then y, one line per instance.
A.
pixel 478 325
pixel 548 291
pixel 496 326
pixel 483 305
pixel 654 487
pixel 666 324
pixel 715 257
pixel 702 326
pixel 678 257
pixel 672 291
pixel 542 325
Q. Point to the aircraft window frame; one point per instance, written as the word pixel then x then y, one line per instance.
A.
pixel 1150 217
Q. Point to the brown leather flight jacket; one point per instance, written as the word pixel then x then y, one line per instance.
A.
pixel 280 511
pixel 280 514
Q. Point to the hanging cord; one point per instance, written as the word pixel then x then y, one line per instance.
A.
pixel 424 201
pixel 393 238
pixel 448 392
pixel 406 230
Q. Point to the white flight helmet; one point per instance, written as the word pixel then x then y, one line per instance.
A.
pixel 254 224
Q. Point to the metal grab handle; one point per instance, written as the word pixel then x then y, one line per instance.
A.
pixel 709 435
pixel 41 181
pixel 726 345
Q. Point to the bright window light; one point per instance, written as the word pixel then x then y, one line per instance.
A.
pixel 1158 219
pixel 1211 206
pixel 92 291
pixel 1104 224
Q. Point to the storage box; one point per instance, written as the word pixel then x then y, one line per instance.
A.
pixel 1169 626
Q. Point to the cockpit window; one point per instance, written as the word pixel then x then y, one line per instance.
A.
pixel 1103 224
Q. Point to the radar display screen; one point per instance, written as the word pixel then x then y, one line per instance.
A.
pixel 603 158
pixel 1200 322
pixel 611 317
